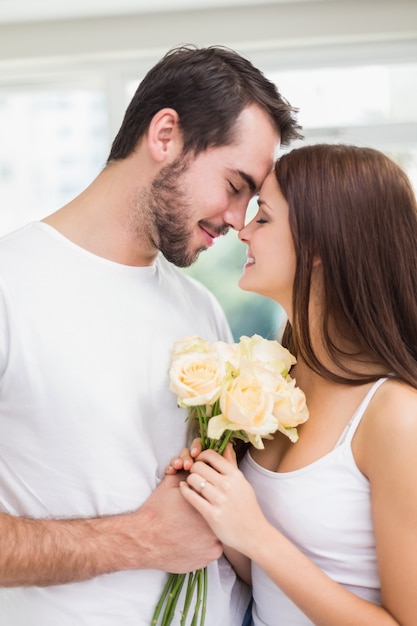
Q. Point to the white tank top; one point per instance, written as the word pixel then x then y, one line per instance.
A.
pixel 325 510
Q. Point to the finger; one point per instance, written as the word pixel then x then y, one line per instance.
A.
pixel 200 504
pixel 229 454
pixel 182 461
pixel 176 464
pixel 201 471
pixel 186 458
pixel 195 448
pixel 214 460
pixel 199 484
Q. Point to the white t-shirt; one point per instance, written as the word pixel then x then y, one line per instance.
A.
pixel 325 510
pixel 87 421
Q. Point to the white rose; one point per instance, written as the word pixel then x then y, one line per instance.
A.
pixel 269 352
pixel 196 378
pixel 193 343
pixel 245 406
pixel 290 409
pixel 229 356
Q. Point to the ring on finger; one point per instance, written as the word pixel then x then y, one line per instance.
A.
pixel 202 485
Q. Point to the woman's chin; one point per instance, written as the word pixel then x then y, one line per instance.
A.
pixel 246 285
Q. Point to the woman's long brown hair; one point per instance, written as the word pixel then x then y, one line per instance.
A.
pixel 355 209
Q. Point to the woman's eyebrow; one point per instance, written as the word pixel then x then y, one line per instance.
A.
pixel 263 204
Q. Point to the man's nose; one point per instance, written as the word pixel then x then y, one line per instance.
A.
pixel 235 215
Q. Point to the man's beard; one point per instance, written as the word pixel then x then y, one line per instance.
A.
pixel 171 214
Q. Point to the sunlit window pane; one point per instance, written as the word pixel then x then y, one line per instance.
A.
pixel 52 144
pixel 352 95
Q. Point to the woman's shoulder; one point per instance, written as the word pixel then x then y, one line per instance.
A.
pixel 389 426
pixel 395 397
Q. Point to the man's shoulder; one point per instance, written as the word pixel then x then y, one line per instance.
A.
pixel 20 237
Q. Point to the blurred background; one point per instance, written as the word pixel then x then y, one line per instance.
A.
pixel 68 71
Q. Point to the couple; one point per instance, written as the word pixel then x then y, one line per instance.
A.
pixel 90 310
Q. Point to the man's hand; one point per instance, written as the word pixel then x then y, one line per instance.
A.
pixel 179 539
pixel 165 533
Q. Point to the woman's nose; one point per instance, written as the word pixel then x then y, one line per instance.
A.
pixel 243 234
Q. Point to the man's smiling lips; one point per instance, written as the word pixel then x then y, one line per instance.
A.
pixel 211 232
pixel 208 236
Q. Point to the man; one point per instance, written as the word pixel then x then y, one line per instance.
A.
pixel 91 303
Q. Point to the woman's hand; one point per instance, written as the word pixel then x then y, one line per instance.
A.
pixel 218 490
pixel 185 459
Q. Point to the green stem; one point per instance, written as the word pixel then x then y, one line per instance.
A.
pixel 164 595
pixel 192 581
pixel 199 594
pixel 205 591
pixel 224 441
pixel 169 612
pixel 199 578
pixel 202 425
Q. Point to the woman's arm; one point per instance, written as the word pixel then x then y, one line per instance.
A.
pixel 240 563
pixel 385 448
pixel 229 505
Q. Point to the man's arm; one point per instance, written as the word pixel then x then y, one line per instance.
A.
pixel 159 535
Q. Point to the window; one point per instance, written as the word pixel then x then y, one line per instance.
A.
pixel 52 144
pixel 55 136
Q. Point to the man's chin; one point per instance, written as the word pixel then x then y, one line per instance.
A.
pixel 184 261
pixel 192 258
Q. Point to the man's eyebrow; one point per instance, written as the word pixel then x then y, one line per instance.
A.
pixel 248 180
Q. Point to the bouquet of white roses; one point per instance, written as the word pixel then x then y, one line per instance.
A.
pixel 234 391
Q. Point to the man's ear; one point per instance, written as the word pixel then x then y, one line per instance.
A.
pixel 164 136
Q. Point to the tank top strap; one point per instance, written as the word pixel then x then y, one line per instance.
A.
pixel 355 420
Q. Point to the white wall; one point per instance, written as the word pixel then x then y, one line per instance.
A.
pixel 283 33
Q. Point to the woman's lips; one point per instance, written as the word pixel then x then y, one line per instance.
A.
pixel 249 261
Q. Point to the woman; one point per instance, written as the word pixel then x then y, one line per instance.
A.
pixel 326 529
